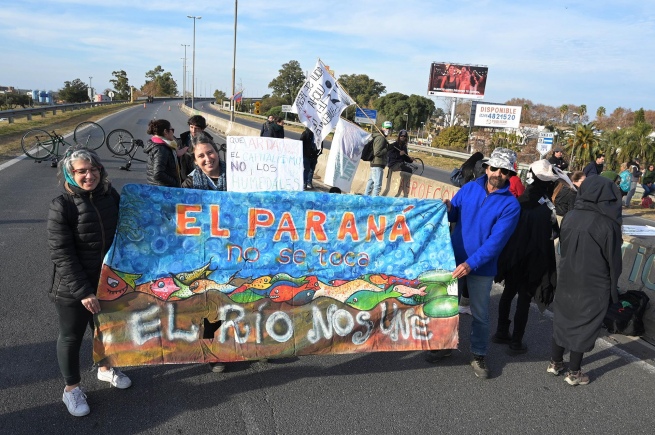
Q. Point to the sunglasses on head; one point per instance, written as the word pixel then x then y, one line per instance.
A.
pixel 502 170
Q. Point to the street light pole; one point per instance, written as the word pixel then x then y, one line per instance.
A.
pixel 91 89
pixel 234 60
pixel 406 119
pixel 184 75
pixel 193 73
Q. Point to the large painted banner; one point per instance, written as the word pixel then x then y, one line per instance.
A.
pixel 274 274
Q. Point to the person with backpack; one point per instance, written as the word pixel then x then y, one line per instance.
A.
pixel 380 150
pixel 310 155
pixel 82 222
pixel 470 170
pixel 527 264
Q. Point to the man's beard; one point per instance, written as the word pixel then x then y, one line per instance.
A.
pixel 496 181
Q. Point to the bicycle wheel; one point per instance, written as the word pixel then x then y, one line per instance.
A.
pixel 89 135
pixel 418 164
pixel 120 142
pixel 37 144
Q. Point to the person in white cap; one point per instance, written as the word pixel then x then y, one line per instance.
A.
pixel 527 264
pixel 485 215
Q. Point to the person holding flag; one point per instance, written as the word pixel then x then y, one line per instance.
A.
pixel 380 150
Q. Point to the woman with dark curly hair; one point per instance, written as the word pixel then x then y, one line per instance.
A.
pixel 163 165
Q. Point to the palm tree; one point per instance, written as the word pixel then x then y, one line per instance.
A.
pixel 563 109
pixel 582 110
pixel 584 145
pixel 640 133
pixel 600 112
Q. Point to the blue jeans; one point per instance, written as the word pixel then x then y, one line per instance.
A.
pixel 309 164
pixel 479 296
pixel 647 189
pixel 631 192
pixel 374 184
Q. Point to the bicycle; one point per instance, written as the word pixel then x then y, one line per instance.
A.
pixel 40 145
pixel 121 143
pixel 416 167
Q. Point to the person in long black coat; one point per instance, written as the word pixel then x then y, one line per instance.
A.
pixel 589 269
pixel 527 263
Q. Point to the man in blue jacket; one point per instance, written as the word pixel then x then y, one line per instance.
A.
pixel 486 214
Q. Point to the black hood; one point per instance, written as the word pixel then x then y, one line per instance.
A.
pixel 601 195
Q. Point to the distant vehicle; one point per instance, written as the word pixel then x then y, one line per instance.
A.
pixel 4 119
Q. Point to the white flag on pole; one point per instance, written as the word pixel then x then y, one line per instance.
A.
pixel 320 101
pixel 345 154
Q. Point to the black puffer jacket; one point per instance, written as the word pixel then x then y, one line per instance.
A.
pixel 162 166
pixel 81 227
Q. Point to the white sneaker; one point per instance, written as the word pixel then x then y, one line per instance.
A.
pixel 465 309
pixel 115 377
pixel 75 401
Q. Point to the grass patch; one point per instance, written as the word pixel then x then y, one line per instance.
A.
pixel 63 123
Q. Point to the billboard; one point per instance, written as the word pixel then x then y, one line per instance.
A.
pixel 457 80
pixel 497 115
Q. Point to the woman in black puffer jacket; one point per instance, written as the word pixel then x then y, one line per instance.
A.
pixel 81 226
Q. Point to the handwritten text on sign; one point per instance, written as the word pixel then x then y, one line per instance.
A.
pixel 263 164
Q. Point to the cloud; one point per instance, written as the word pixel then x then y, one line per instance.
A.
pixel 552 52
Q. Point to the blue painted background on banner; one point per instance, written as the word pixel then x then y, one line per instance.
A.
pixel 414 239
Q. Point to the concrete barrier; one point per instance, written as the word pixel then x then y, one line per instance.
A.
pixel 638 252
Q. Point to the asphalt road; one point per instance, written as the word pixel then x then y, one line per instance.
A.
pixel 376 393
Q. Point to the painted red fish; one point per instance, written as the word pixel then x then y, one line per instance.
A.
pixel 285 293
pixel 164 287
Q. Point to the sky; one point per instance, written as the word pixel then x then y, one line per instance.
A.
pixel 593 52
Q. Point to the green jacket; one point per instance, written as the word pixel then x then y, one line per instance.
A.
pixel 380 149
pixel 649 177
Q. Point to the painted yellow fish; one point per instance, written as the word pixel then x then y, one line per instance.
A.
pixel 188 277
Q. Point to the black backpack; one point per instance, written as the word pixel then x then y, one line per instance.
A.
pixel 626 317
pixel 457 177
pixel 367 151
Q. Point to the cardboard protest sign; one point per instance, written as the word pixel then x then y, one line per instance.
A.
pixel 278 274
pixel 261 164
